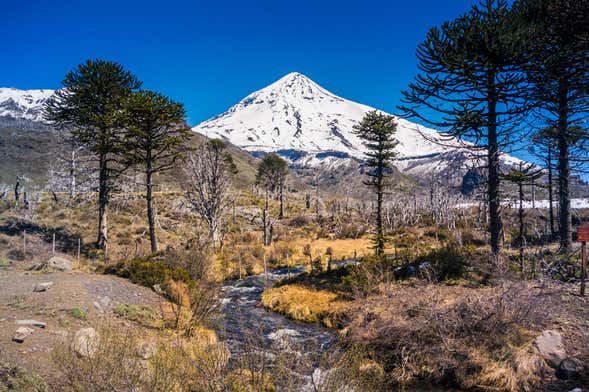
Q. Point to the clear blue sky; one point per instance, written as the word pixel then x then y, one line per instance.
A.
pixel 210 54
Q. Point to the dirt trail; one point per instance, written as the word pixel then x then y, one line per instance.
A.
pixel 94 293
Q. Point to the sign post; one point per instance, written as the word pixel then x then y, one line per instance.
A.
pixel 583 237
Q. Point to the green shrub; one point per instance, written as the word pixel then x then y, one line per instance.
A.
pixel 448 262
pixel 17 254
pixel 149 273
pixel 79 313
pixel 138 313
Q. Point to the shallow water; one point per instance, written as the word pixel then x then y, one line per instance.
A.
pixel 244 315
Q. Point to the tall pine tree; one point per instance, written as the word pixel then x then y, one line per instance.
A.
pixel 557 43
pixel 472 86
pixel 156 139
pixel 377 130
pixel 89 106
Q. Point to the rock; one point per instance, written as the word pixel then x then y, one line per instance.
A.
pixel 549 346
pixel 569 369
pixel 576 390
pixel 34 323
pixel 59 263
pixel 22 333
pixel 147 350
pixel 42 286
pixel 85 342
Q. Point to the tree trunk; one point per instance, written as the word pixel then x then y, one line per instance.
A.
pixel 150 210
pixel 521 227
pixel 72 176
pixel 265 219
pixel 281 198
pixel 379 228
pixel 550 195
pixel 495 224
pixel 564 171
pixel 102 240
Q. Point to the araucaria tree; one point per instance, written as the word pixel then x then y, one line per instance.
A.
pixel 272 172
pixel 89 106
pixel 557 40
pixel 156 139
pixel 271 175
pixel 209 173
pixel 377 130
pixel 472 86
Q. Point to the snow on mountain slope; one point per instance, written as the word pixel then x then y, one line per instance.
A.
pixel 310 126
pixel 23 104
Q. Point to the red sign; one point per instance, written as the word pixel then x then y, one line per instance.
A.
pixel 583 233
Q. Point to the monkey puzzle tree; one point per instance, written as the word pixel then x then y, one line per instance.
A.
pixel 471 85
pixel 156 139
pixel 89 107
pixel 377 131
pixel 557 43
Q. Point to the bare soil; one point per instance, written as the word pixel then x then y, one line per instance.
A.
pixel 96 294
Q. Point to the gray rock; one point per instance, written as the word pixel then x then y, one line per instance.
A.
pixel 569 369
pixel 549 346
pixel 59 263
pixel 42 286
pixel 34 323
pixel 85 343
pixel 576 390
pixel 22 333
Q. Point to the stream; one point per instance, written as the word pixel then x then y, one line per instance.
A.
pixel 243 311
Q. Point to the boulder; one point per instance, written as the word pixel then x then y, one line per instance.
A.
pixel 549 346
pixel 22 333
pixel 85 342
pixel 59 263
pixel 42 286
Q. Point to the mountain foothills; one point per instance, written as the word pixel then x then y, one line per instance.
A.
pixel 312 128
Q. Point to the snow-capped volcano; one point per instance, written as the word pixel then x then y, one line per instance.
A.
pixel 311 126
pixel 23 104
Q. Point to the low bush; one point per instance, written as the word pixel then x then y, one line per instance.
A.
pixel 448 262
pixel 475 338
pixel 79 313
pixel 149 272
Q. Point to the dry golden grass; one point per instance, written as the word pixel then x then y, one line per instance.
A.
pixel 305 304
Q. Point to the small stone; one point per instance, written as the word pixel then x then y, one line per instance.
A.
pixel 85 342
pixel 22 333
pixel 549 346
pixel 147 350
pixel 43 286
pixel 34 323
pixel 569 369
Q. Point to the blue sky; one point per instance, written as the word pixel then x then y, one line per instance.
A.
pixel 211 54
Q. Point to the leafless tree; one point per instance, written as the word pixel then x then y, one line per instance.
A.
pixel 209 173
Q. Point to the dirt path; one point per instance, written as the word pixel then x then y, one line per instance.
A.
pixel 96 294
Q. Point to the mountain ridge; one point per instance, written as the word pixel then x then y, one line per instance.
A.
pixel 312 127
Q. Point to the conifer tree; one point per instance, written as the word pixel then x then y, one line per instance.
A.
pixel 272 172
pixel 543 146
pixel 557 42
pixel 471 85
pixel 156 139
pixel 377 130
pixel 89 106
